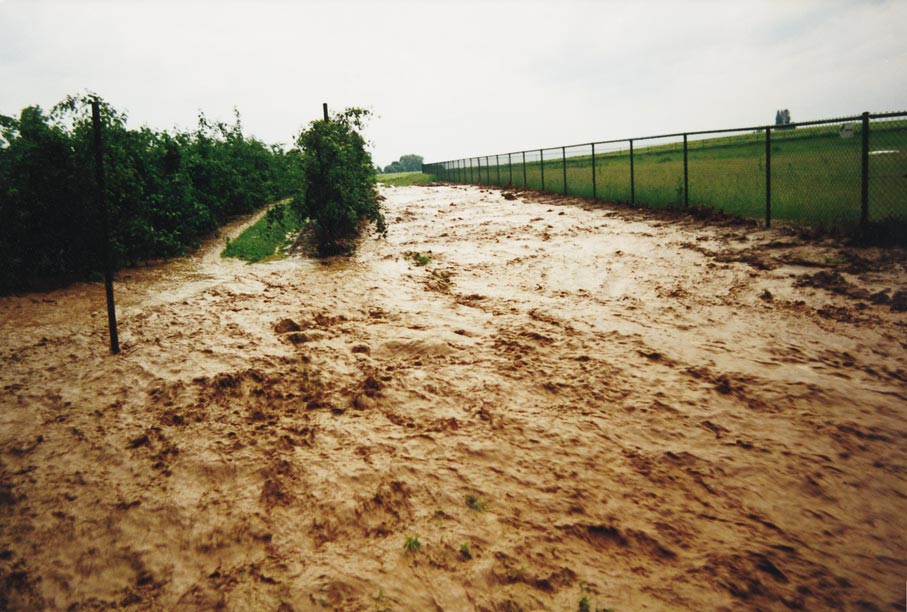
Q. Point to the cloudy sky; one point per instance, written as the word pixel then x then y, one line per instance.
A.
pixel 452 79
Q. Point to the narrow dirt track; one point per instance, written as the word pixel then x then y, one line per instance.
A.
pixel 651 412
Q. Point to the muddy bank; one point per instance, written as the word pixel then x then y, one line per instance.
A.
pixel 564 401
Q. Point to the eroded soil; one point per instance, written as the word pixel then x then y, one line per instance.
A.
pixel 651 412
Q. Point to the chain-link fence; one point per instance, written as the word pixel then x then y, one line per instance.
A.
pixel 848 173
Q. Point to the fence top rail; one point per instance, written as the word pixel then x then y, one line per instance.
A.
pixel 759 128
pixel 888 115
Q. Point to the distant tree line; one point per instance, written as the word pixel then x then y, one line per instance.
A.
pixel 165 190
pixel 782 118
pixel 406 163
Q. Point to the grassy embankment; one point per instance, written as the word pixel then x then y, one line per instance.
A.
pixel 267 237
pixel 815 173
pixel 402 179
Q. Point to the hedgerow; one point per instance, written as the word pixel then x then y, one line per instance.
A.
pixel 165 190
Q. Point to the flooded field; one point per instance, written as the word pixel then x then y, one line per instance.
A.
pixel 513 402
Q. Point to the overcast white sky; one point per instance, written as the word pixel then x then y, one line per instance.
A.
pixel 454 79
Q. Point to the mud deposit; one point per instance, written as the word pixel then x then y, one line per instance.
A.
pixel 564 401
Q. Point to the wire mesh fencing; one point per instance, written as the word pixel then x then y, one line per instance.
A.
pixel 846 173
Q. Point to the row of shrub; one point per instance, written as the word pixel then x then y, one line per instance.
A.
pixel 165 190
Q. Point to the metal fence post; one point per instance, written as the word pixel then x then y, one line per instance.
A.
pixel 497 166
pixel 864 182
pixel 525 183
pixel 768 177
pixel 510 168
pixel 632 178
pixel 564 160
pixel 686 175
pixel 594 194
pixel 542 166
pixel 105 227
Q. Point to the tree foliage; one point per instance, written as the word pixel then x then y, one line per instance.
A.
pixel 782 117
pixel 406 163
pixel 339 192
pixel 164 190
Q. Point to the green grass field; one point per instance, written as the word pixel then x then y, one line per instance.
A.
pixel 264 240
pixel 402 179
pixel 815 174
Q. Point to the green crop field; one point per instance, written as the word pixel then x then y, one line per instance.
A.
pixel 815 173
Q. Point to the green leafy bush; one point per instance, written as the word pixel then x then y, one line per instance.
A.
pixel 165 191
pixel 339 190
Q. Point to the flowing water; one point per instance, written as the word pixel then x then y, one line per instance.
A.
pixel 566 401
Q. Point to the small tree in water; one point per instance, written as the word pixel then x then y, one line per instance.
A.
pixel 340 194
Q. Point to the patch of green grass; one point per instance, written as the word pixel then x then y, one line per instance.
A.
pixel 264 240
pixel 412 543
pixel 403 179
pixel 476 503
pixel 465 553
pixel 380 603
pixel 419 259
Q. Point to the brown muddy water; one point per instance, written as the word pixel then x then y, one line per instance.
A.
pixel 567 401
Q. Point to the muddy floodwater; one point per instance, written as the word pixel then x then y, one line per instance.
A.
pixel 565 404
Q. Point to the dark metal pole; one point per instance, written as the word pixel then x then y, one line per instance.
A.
pixel 488 169
pixel 325 108
pixel 864 182
pixel 594 192
pixel 564 161
pixel 542 166
pixel 686 175
pixel 632 178
pixel 497 165
pixel 510 168
pixel 525 182
pixel 768 177
pixel 105 226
